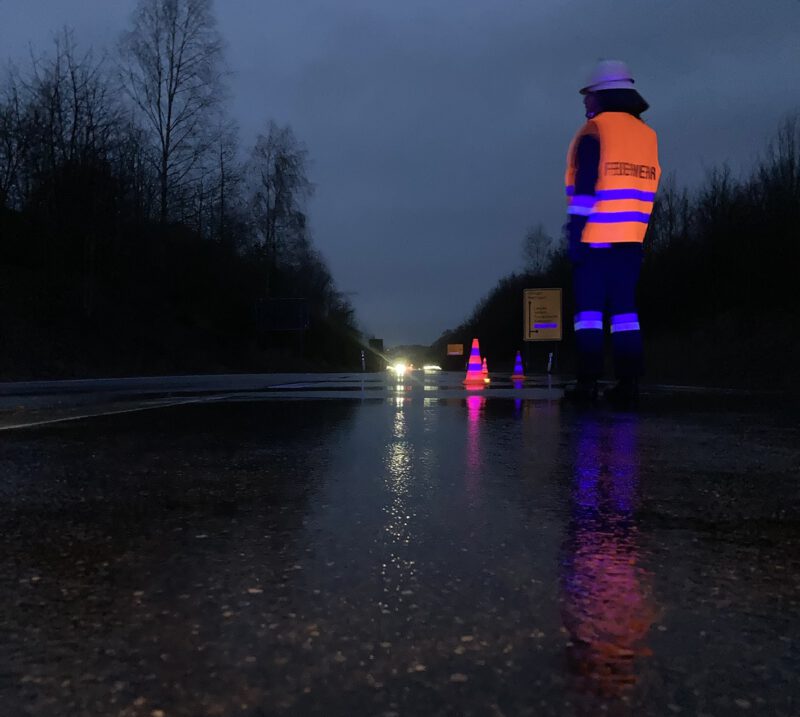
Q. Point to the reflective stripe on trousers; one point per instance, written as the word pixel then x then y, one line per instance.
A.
pixel 624 322
pixel 588 320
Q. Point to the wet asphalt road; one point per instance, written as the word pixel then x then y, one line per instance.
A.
pixel 404 551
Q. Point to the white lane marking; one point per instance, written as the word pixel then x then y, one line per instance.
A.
pixel 530 394
pixel 112 412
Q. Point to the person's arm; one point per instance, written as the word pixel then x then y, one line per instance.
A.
pixel 587 160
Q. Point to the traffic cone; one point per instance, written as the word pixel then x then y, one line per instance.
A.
pixel 519 372
pixel 485 371
pixel 474 371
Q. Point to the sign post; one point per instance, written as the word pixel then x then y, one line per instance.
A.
pixel 455 357
pixel 542 320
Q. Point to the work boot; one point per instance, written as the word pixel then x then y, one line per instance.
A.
pixel 583 392
pixel 624 394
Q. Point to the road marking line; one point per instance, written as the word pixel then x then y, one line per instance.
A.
pixel 115 412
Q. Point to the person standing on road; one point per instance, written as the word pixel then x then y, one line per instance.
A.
pixel 611 180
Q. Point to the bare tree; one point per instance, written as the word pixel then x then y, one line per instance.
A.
pixel 278 171
pixel 225 176
pixel 672 217
pixel 15 139
pixel 134 165
pixel 70 114
pixel 537 248
pixel 171 66
pixel 67 133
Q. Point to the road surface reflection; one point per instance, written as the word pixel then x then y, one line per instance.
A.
pixel 607 601
pixel 475 407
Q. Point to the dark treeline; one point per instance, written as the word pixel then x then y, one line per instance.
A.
pixel 136 234
pixel 718 289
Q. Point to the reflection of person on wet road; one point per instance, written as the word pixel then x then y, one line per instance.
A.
pixel 606 603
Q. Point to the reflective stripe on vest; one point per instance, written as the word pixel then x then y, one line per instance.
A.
pixel 628 176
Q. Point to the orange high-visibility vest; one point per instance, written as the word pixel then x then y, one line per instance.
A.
pixel 627 179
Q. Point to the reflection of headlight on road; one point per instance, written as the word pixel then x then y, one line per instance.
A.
pixel 399 369
pixel 431 367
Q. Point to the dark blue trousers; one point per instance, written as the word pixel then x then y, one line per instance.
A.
pixel 605 281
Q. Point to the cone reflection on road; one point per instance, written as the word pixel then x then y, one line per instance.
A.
pixel 519 372
pixel 517 401
pixel 474 468
pixel 474 368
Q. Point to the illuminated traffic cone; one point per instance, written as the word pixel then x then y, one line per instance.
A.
pixel 485 371
pixel 474 371
pixel 519 372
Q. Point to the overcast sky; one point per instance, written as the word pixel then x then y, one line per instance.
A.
pixel 437 129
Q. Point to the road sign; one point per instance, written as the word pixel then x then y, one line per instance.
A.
pixel 542 312
pixel 455 349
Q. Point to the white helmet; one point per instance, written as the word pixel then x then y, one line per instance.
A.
pixel 609 75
